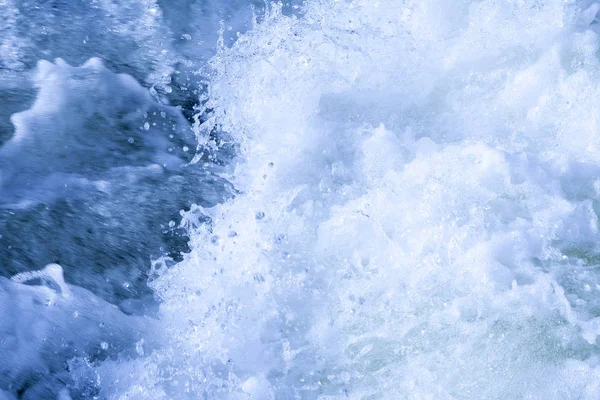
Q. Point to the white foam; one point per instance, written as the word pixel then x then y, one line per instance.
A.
pixel 85 121
pixel 417 215
pixel 426 172
pixel 43 326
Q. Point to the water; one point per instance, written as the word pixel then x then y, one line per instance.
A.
pixel 349 199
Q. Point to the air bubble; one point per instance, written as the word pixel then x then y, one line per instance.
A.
pixel 139 347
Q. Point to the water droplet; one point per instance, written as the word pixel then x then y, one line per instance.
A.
pixel 279 238
pixel 126 285
pixel 154 94
pixel 163 114
pixel 185 148
pixel 139 347
pixel 146 126
pixel 131 140
pixel 171 224
pixel 104 346
pixel 260 215
pixel 232 234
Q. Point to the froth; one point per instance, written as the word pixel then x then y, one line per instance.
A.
pixel 416 217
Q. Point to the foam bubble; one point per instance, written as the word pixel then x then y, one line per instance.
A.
pixel 426 179
pixel 426 172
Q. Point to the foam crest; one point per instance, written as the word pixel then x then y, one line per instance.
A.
pixel 417 216
pixel 52 274
pixel 89 110
pixel 416 213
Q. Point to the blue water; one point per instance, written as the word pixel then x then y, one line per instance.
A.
pixel 334 199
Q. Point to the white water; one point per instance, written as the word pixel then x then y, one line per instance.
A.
pixel 416 218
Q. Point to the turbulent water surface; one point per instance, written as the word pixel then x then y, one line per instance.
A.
pixel 328 199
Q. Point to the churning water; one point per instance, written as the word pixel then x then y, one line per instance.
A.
pixel 335 199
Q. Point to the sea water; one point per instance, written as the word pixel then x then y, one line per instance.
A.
pixel 383 199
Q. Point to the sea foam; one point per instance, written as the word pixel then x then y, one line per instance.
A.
pixel 416 213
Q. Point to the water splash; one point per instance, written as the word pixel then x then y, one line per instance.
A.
pixel 416 213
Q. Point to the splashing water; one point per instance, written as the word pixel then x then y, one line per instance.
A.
pixel 416 215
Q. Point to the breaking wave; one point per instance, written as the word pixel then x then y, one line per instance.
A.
pixel 405 205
